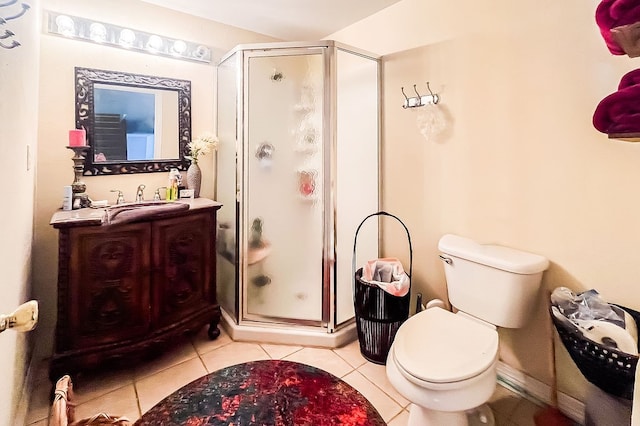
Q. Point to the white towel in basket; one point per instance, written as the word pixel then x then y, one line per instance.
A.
pixel 596 319
pixel 388 274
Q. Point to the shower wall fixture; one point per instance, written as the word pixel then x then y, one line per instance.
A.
pixel 431 121
pixel 298 169
pixel 419 100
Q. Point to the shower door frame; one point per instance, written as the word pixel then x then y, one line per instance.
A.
pixel 329 49
pixel 244 316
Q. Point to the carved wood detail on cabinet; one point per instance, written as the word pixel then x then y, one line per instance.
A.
pixel 181 250
pixel 127 290
pixel 110 282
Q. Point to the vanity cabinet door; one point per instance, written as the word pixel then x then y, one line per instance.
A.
pixel 182 256
pixel 108 298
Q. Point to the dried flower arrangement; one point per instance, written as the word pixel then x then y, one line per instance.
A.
pixel 202 145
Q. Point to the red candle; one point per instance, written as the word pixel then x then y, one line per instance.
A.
pixel 77 137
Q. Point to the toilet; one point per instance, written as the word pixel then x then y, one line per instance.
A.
pixel 444 362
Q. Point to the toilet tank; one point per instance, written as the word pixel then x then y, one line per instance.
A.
pixel 497 284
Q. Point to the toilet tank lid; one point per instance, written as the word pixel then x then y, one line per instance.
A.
pixel 500 257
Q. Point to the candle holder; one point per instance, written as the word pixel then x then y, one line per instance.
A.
pixel 78 187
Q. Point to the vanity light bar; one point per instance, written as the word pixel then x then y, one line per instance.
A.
pixel 125 38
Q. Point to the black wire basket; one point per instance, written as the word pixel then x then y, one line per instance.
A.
pixel 379 314
pixel 611 370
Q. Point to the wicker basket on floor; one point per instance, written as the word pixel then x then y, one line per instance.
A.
pixel 379 314
pixel 611 370
pixel 62 412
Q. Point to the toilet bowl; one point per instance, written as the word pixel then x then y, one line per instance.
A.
pixel 445 364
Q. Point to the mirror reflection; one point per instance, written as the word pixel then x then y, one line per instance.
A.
pixel 134 123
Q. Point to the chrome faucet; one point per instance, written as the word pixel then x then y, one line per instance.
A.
pixel 139 193
pixel 156 196
pixel 120 197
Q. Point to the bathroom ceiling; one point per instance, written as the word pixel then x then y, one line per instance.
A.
pixel 289 20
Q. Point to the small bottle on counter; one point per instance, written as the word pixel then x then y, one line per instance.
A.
pixel 172 187
pixel 67 198
pixel 181 185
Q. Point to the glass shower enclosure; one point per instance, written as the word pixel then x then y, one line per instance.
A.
pixel 297 171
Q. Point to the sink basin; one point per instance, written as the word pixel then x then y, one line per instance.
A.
pixel 133 212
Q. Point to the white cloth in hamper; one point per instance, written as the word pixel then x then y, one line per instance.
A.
pixel 388 274
pixel 597 320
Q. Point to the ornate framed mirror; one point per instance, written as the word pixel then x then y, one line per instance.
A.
pixel 135 123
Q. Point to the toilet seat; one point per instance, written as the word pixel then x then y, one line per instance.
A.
pixel 438 346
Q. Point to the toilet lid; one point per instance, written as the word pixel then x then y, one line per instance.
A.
pixel 439 346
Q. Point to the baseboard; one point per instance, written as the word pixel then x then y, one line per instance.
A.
pixel 287 334
pixel 538 392
pixel 23 404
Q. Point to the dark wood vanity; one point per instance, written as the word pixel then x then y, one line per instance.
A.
pixel 127 290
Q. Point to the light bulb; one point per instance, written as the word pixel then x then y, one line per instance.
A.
pixel 65 25
pixel 179 47
pixel 154 44
pixel 201 52
pixel 127 37
pixel 98 32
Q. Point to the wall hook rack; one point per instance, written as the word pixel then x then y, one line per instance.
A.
pixel 419 100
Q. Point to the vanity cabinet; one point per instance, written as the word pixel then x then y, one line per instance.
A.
pixel 126 290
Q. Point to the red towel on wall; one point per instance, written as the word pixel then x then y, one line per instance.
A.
pixel 611 14
pixel 630 79
pixel 628 38
pixel 619 112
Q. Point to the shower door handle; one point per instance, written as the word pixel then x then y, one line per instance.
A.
pixel 265 151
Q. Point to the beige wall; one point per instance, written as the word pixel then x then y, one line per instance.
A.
pixel 520 163
pixel 18 136
pixel 59 56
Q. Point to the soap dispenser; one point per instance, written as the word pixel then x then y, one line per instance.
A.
pixel 172 187
pixel 181 185
pixel 169 191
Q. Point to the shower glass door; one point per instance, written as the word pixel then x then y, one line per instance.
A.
pixel 226 184
pixel 282 207
pixel 357 194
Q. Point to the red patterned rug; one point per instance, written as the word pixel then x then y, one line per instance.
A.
pixel 265 393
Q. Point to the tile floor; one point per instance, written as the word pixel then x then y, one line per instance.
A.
pixel 134 391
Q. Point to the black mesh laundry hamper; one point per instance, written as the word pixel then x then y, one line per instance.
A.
pixel 611 370
pixel 379 314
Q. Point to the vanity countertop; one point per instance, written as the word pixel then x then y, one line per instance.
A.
pixel 92 216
